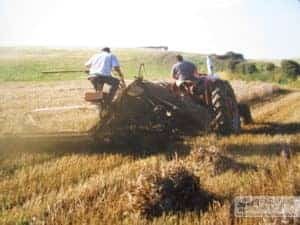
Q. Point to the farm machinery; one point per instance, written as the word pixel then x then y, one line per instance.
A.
pixel 158 108
pixel 163 110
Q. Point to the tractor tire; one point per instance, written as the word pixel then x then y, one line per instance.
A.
pixel 226 118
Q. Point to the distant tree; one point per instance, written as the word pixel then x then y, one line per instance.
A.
pixel 290 68
pixel 270 67
pixel 230 56
pixel 246 68
pixel 227 61
pixel 231 65
pixel 250 68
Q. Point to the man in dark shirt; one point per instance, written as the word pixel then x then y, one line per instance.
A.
pixel 184 70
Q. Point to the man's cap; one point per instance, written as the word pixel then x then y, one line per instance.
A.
pixel 105 49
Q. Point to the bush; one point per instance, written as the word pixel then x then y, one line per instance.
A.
pixel 226 65
pixel 269 67
pixel 246 68
pixel 249 68
pixel 231 65
pixel 290 68
pixel 265 66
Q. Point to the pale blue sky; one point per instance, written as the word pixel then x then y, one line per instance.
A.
pixel 256 28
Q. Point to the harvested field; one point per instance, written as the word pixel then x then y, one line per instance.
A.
pixel 18 100
pixel 72 181
pixel 210 162
pixel 253 91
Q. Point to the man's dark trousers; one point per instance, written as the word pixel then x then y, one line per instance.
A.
pixel 100 80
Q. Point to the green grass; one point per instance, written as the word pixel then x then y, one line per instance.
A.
pixel 273 77
pixel 26 64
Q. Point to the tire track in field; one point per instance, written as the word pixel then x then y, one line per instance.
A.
pixel 277 116
pixel 280 110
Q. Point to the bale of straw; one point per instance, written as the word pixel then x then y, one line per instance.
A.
pixel 169 189
pixel 210 161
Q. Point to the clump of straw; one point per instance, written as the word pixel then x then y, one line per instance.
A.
pixel 168 189
pixel 212 162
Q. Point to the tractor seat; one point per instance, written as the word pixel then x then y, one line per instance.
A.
pixel 94 96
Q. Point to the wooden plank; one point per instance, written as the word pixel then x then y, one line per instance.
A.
pixel 93 96
pixel 66 108
pixel 63 71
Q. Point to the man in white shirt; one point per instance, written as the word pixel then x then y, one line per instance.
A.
pixel 100 67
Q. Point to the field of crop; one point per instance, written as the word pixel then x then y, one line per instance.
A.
pixel 69 180
pixel 27 64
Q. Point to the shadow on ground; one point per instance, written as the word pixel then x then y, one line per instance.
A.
pixel 141 146
pixel 261 149
pixel 274 128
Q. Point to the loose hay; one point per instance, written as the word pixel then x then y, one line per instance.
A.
pixel 172 188
pixel 211 161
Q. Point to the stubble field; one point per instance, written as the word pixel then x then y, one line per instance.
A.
pixel 70 180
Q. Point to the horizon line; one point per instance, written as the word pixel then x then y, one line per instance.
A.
pixel 150 47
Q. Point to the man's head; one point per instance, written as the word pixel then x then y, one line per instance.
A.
pixel 106 49
pixel 179 58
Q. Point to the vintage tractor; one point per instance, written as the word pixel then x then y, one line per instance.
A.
pixel 158 108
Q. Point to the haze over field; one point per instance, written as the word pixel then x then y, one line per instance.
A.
pixel 258 29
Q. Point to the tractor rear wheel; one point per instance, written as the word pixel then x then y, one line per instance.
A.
pixel 226 118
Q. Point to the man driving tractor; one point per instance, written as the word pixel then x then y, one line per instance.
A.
pixel 100 67
pixel 184 70
pixel 209 91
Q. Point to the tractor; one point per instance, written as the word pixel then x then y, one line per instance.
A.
pixel 145 107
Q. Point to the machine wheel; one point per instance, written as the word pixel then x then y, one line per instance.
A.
pixel 226 118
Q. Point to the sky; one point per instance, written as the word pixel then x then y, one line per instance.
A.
pixel 256 28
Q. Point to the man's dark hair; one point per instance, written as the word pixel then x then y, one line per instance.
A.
pixel 179 58
pixel 106 49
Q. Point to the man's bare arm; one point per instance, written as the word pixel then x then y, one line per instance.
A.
pixel 118 70
pixel 173 73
